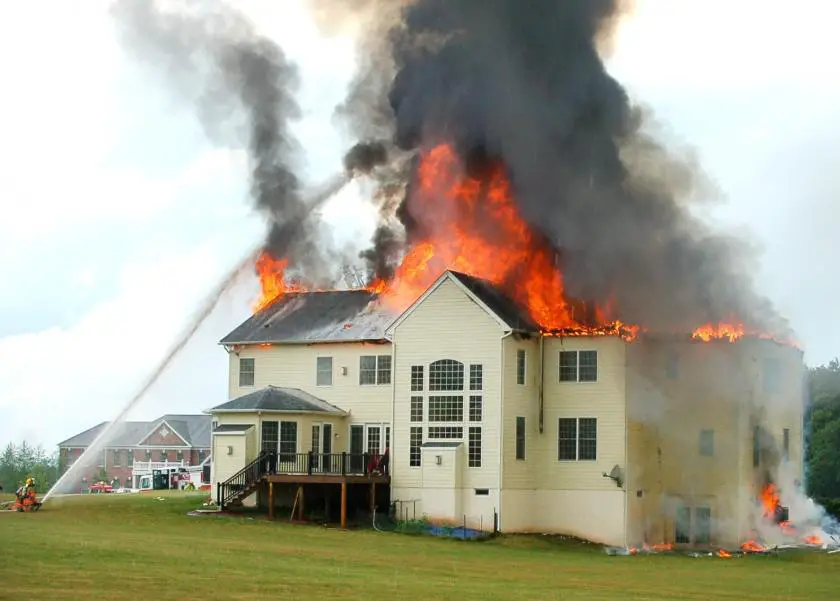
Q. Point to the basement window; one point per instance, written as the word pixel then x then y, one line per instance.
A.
pixel 578 366
pixel 374 369
pixel 520 366
pixel 482 492
pixel 246 371
pixel 707 443
pixel 324 371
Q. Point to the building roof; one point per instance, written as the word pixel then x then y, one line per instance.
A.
pixel 194 429
pixel 498 302
pixel 275 398
pixel 331 316
pixel 236 428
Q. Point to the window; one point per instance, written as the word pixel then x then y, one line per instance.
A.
pixel 756 446
pixel 374 434
pixel 117 462
pixel 707 443
pixel 446 408
pixel 771 375
pixel 520 438
pixel 246 372
pixel 270 436
pixel 672 365
pixel 164 455
pixel 578 366
pixel 148 454
pixel 388 437
pixel 129 458
pixel 475 408
pixel 416 378
pixel 577 439
pixel 520 366
pixel 417 409
pixel 446 433
pixel 374 369
pixel 179 456
pixel 474 447
pixel 682 526
pixel 288 441
pixel 446 374
pixel 786 444
pixel 482 492
pixel 324 371
pixel 703 525
pixel 476 377
pixel 415 440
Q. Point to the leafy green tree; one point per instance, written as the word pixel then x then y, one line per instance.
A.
pixel 823 426
pixel 20 462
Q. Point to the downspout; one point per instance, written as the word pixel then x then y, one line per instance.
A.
pixel 540 381
pixel 502 406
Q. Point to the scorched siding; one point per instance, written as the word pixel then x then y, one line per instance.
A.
pixel 448 324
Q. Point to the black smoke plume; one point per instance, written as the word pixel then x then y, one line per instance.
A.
pixel 243 87
pixel 523 84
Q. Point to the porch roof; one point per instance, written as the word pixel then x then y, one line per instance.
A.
pixel 280 400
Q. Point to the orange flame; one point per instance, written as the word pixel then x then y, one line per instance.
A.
pixel 753 546
pixel 769 498
pixel 813 540
pixel 724 554
pixel 473 226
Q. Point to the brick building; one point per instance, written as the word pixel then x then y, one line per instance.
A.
pixel 134 449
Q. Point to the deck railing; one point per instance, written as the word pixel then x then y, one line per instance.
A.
pixel 300 464
pixel 328 464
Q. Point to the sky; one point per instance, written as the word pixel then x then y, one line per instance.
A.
pixel 119 215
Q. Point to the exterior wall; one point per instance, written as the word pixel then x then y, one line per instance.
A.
pixel 678 389
pixel 542 493
pixel 294 366
pixel 449 325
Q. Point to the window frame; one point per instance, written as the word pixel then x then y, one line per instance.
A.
pixel 520 437
pixel 243 361
pixel 319 370
pixel 521 366
pixel 706 442
pixel 578 439
pixel 474 447
pixel 578 367
pixel 377 370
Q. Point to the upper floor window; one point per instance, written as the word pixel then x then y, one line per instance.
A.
pixel 520 366
pixel 416 378
pixel 374 369
pixel 324 371
pixel 446 374
pixel 771 375
pixel 707 443
pixel 577 439
pixel 578 366
pixel 476 377
pixel 246 371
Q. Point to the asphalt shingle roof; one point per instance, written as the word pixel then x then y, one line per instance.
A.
pixel 331 316
pixel 275 398
pixel 498 302
pixel 195 429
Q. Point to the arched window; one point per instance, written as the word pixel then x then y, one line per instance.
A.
pixel 446 374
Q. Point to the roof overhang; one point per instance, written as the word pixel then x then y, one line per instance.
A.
pixel 230 346
pixel 281 412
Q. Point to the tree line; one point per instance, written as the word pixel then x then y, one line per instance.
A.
pixel 18 462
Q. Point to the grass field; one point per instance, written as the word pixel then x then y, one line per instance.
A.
pixel 128 547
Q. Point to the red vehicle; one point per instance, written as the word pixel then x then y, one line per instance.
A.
pixel 100 487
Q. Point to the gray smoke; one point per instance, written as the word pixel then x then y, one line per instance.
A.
pixel 243 88
pixel 527 89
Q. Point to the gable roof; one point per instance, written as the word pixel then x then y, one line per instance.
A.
pixel 485 294
pixel 194 429
pixel 278 399
pixel 306 317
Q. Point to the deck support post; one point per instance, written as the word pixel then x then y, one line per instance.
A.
pixel 300 505
pixel 344 504
pixel 372 496
pixel 271 500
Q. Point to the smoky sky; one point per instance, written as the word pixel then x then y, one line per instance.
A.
pixel 527 88
pixel 243 89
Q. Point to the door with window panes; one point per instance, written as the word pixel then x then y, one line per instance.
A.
pixel 321 447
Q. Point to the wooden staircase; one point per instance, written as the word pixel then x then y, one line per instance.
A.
pixel 233 491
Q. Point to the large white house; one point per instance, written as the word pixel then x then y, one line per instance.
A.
pixel 489 421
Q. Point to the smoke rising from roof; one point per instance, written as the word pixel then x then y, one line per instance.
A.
pixel 243 87
pixel 529 88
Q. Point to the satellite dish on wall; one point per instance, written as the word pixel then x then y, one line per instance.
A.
pixel 615 475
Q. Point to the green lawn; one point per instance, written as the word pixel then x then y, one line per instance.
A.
pixel 132 547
